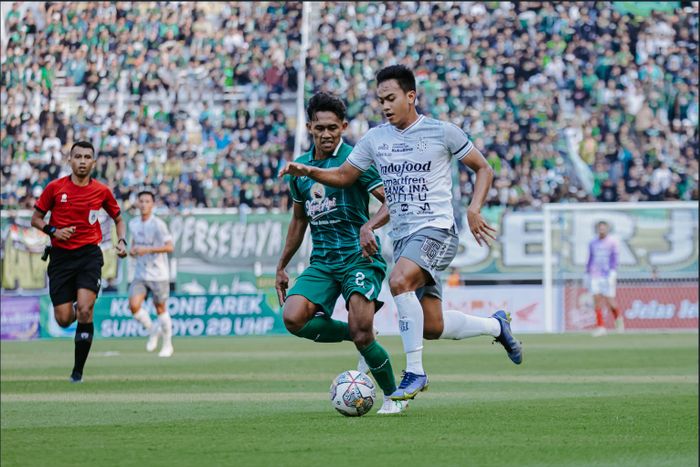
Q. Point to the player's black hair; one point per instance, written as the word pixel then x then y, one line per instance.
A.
pixel 83 144
pixel 325 102
pixel 401 73
pixel 146 192
pixel 599 223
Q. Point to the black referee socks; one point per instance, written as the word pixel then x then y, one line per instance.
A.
pixel 83 342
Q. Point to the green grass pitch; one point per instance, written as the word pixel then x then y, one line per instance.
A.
pixel 617 400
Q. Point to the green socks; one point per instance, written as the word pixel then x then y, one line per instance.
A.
pixel 322 329
pixel 379 363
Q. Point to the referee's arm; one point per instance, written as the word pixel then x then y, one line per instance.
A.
pixel 38 222
pixel 121 235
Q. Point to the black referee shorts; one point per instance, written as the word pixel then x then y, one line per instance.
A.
pixel 70 270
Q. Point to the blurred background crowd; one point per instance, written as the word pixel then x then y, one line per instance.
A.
pixel 569 102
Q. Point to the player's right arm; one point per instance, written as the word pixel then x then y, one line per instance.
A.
pixel 295 236
pixel 359 160
pixel 41 208
pixel 341 177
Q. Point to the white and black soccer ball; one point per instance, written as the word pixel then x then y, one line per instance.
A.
pixel 353 393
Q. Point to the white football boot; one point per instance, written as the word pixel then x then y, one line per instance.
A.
pixel 392 407
pixel 154 334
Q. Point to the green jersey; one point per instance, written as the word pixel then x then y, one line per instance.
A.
pixel 335 214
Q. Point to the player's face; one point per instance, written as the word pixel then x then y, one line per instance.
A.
pixel 396 104
pixel 82 161
pixel 145 205
pixel 326 129
pixel 602 230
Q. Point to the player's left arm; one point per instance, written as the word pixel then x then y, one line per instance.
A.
pixel 121 235
pixel 110 205
pixel 166 241
pixel 484 177
pixel 368 241
pixel 613 261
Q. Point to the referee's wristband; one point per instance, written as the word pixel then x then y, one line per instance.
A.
pixel 49 230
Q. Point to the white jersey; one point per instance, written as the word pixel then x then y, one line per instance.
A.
pixel 150 233
pixel 415 166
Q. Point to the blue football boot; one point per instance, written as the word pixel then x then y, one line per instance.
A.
pixel 411 384
pixel 506 339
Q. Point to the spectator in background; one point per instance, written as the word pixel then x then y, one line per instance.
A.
pixel 195 85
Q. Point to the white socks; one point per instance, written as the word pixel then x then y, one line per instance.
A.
pixel 459 325
pixel 166 328
pixel 411 329
pixel 143 317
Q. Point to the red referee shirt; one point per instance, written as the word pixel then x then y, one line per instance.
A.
pixel 73 205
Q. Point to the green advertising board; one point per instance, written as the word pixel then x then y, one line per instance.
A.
pixel 192 315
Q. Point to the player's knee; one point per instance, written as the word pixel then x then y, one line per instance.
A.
pixel 400 283
pixel 63 322
pixel 84 313
pixel 362 337
pixel 294 322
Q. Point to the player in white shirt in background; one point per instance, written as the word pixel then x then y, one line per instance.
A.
pixel 601 275
pixel 151 242
pixel 413 155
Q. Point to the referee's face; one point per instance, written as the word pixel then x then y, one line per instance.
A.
pixel 82 161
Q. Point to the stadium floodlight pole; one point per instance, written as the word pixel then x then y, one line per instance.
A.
pixel 301 78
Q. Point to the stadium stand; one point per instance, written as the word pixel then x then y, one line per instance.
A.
pixel 569 101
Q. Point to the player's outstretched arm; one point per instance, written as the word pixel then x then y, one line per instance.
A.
pixel 367 240
pixel 481 230
pixel 295 236
pixel 341 177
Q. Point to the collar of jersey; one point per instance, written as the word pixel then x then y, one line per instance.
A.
pixel 335 151
pixel 412 125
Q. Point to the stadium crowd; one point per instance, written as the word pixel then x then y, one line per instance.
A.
pixel 568 101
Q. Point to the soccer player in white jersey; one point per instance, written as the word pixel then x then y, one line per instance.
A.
pixel 413 155
pixel 151 242
pixel 601 275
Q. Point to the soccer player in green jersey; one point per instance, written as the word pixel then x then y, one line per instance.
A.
pixel 338 216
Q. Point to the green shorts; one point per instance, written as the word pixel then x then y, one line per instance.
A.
pixel 322 284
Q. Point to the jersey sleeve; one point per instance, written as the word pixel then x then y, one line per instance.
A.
pixel 589 263
pixel 614 254
pixel 457 141
pixel 163 232
pixel 45 202
pixel 294 190
pixel 370 179
pixel 362 155
pixel 110 204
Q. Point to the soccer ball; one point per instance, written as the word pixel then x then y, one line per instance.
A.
pixel 352 393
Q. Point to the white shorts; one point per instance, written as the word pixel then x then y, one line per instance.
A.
pixel 603 286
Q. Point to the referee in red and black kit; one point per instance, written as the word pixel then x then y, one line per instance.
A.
pixel 75 268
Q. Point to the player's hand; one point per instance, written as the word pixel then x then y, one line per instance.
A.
pixel 281 284
pixel 65 233
pixel 481 230
pixel 132 251
pixel 138 251
pixel 294 169
pixel 121 250
pixel 368 242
